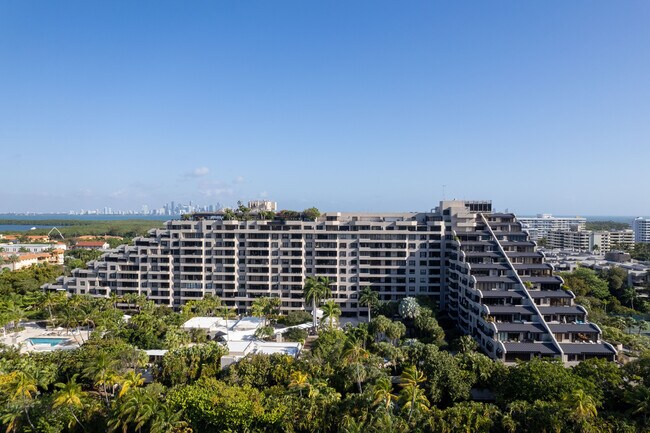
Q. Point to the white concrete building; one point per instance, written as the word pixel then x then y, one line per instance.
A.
pixel 32 248
pixel 587 240
pixel 539 226
pixel 641 228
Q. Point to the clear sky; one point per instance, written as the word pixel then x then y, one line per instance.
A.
pixel 344 105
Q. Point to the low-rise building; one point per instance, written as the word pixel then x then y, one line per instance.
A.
pixel 92 245
pixel 14 262
pixel 31 248
pixel 587 240
pixel 538 227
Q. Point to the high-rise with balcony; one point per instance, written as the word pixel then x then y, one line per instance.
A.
pixel 479 265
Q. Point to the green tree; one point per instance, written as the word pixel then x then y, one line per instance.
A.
pixel 413 396
pixel 368 298
pixel 299 381
pixel 331 311
pixel 584 281
pixel 355 355
pixel 580 406
pixel 21 389
pixel 383 393
pixel 409 308
pixel 129 381
pixel 315 290
pixel 69 395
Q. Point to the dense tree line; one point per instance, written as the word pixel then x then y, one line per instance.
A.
pixel 606 225
pixel 399 372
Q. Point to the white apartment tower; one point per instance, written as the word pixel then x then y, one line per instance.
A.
pixel 641 228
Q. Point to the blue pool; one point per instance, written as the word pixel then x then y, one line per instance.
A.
pixel 45 340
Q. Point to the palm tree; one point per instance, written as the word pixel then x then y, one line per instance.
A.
pixel 21 389
pixel 642 325
pixel 369 298
pixel 14 313
pixel 316 289
pixel 101 370
pixel 167 420
pixel 412 395
pixel 639 399
pixel 130 380
pixel 580 406
pixel 50 301
pixel 383 393
pixel 354 354
pixel 70 395
pixel 299 381
pixel 331 311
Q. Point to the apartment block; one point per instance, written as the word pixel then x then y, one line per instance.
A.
pixel 587 240
pixel 641 228
pixel 479 265
pixel 538 227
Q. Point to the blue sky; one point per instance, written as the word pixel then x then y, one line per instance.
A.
pixel 345 105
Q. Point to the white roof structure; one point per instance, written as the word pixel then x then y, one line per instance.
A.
pixel 210 324
pixel 248 323
pixel 156 352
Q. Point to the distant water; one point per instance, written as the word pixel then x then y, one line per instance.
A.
pixel 25 227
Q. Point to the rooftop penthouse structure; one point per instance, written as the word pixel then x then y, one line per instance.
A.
pixel 479 265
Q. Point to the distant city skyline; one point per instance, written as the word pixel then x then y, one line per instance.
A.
pixel 350 106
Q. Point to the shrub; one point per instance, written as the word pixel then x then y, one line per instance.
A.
pixel 295 334
pixel 295 318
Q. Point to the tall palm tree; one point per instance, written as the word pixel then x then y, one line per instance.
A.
pixel 331 311
pixel 412 394
pixel 101 370
pixel 70 395
pixel 21 389
pixel 315 290
pixel 355 354
pixel 369 298
pixel 383 393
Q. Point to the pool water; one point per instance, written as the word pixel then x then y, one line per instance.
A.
pixel 51 341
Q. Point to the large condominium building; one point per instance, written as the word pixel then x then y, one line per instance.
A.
pixel 587 240
pixel 641 228
pixel 479 265
pixel 539 226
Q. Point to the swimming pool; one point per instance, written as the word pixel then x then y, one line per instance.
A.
pixel 47 340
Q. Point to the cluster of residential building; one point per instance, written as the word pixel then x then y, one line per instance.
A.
pixel 36 249
pixel 570 233
pixel 588 240
pixel 540 226
pixel 638 273
pixel 15 256
pixel 480 265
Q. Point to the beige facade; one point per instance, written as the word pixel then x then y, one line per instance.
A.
pixel 586 240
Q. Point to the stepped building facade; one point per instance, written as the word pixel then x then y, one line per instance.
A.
pixel 480 266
